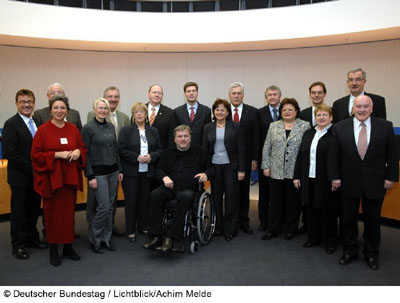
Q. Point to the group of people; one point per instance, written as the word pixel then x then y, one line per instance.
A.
pixel 305 164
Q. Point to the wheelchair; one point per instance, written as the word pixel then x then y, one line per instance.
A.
pixel 199 224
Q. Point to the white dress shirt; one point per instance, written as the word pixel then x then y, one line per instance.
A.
pixel 239 108
pixel 313 149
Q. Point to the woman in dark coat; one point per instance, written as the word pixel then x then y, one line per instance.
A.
pixel 224 142
pixel 311 176
pixel 139 150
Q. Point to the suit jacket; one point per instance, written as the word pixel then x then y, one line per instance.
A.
pixel 202 117
pixel 363 177
pixel 306 115
pixel 250 128
pixel 16 144
pixel 341 107
pixel 122 119
pixel 165 123
pixel 233 140
pixel 129 149
pixel 279 152
pixel 265 119
pixel 322 194
pixel 43 115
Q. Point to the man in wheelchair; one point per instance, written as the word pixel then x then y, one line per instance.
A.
pixel 180 169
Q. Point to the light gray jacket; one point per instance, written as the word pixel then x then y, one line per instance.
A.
pixel 280 153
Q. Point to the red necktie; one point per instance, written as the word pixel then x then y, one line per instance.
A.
pixel 236 116
pixel 192 114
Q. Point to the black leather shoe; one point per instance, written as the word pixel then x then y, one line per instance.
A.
pixel 288 237
pixel 262 227
pixel 108 245
pixel 246 228
pixel 36 244
pixel 156 242
pixel 311 243
pixel 70 253
pixel 330 250
pixel 116 232
pixel 20 253
pixel 228 237
pixel 347 259
pixel 372 262
pixel 97 249
pixel 167 245
pixel 268 236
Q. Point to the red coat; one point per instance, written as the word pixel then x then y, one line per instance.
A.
pixel 50 173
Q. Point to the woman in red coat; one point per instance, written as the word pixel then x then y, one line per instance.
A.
pixel 58 155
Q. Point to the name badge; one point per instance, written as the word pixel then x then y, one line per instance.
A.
pixel 64 140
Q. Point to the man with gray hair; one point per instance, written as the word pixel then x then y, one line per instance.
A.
pixel 43 115
pixel 247 116
pixel 356 79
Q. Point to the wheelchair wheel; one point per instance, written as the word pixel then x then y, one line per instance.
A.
pixel 194 247
pixel 206 218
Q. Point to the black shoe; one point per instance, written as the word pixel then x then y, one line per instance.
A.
pixel 70 253
pixel 347 258
pixel 154 243
pixel 167 244
pixel 228 237
pixel 55 259
pixel 311 243
pixel 288 237
pixel 132 238
pixel 116 232
pixel 330 250
pixel 372 262
pixel 262 227
pixel 20 253
pixel 246 228
pixel 97 249
pixel 108 245
pixel 268 236
pixel 36 244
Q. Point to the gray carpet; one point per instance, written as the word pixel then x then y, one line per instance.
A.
pixel 245 261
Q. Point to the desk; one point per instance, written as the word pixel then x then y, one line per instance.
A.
pixel 5 191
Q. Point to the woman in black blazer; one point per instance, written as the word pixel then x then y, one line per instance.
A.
pixel 311 176
pixel 139 148
pixel 224 142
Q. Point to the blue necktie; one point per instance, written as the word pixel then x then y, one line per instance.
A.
pixel 275 116
pixel 31 127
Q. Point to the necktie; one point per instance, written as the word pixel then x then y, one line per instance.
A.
pixel 275 115
pixel 112 118
pixel 31 127
pixel 362 141
pixel 192 114
pixel 153 115
pixel 236 116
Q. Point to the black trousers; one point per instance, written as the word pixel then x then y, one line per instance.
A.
pixel 284 206
pixel 244 198
pixel 137 202
pixel 25 211
pixel 322 221
pixel 263 197
pixel 158 200
pixel 372 229
pixel 225 182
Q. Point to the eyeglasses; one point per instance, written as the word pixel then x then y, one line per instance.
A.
pixel 28 102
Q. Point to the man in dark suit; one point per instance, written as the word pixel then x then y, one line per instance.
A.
pixel 363 161
pixel 193 113
pixel 317 92
pixel 356 79
pixel 266 116
pixel 248 117
pixel 160 116
pixel 43 115
pixel 18 133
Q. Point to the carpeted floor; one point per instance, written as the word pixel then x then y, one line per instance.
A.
pixel 244 261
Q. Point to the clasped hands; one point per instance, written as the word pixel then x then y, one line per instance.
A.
pixel 144 159
pixel 71 155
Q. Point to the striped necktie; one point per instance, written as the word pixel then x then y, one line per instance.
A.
pixel 153 115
